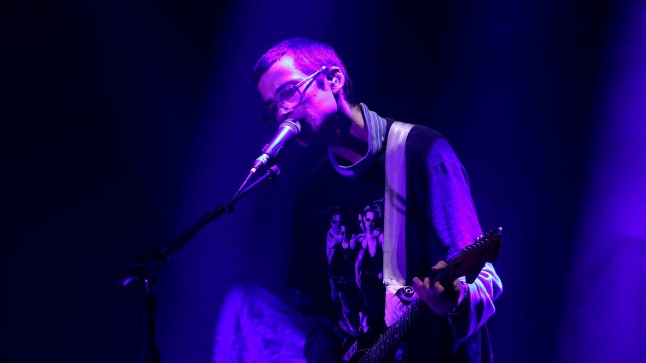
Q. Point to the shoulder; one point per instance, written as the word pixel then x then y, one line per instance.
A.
pixel 425 135
pixel 429 145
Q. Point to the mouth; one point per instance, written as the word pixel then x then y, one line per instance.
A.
pixel 308 135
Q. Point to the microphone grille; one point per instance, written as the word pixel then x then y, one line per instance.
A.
pixel 293 124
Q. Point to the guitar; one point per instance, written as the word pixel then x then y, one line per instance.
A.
pixel 467 263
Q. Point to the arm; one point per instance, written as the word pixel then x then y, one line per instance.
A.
pixel 357 267
pixel 475 304
pixel 331 241
pixel 454 217
pixel 452 214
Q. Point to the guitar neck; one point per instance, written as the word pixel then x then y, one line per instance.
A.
pixel 394 334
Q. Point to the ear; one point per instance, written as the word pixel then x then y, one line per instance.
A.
pixel 336 79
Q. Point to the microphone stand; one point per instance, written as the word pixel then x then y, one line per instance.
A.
pixel 143 269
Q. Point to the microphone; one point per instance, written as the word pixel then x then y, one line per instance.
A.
pixel 286 131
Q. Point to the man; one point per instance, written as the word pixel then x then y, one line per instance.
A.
pixel 344 292
pixel 336 238
pixel 368 273
pixel 305 80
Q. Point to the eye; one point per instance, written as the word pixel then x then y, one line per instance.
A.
pixel 287 94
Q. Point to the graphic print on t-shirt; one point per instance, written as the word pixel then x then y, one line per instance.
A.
pixel 354 248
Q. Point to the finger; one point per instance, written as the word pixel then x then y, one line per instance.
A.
pixel 419 288
pixel 427 282
pixel 439 266
pixel 437 288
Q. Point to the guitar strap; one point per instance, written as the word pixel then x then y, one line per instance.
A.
pixel 395 219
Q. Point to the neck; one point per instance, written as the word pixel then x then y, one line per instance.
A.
pixel 350 139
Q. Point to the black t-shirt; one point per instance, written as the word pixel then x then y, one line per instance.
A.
pixel 325 190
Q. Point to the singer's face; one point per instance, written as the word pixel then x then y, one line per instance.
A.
pixel 317 107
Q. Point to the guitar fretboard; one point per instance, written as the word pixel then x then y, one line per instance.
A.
pixel 384 346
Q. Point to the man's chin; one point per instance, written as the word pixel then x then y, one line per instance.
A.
pixel 308 136
pixel 311 136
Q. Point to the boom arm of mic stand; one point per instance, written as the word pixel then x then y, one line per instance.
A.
pixel 150 261
pixel 208 217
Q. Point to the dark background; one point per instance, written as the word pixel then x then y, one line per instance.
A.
pixel 125 120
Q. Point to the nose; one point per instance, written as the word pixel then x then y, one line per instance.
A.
pixel 281 113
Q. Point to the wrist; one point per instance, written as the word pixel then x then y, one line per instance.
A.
pixel 462 298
